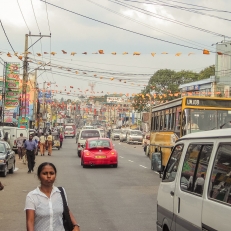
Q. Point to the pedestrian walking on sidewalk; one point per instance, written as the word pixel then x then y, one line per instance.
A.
pixel 19 142
pixel 45 205
pixel 61 140
pixel 42 144
pixel 30 147
pixel 50 143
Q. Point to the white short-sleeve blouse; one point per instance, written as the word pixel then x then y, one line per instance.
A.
pixel 48 211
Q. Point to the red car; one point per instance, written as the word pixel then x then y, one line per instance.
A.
pixel 99 151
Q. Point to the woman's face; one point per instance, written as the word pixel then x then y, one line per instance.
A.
pixel 47 176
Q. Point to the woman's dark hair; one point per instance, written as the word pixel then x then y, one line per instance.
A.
pixel 41 166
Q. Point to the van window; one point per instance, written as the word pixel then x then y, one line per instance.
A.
pixel 195 167
pixel 172 166
pixel 86 134
pixel 220 180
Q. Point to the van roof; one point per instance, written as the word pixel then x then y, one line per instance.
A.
pixel 218 133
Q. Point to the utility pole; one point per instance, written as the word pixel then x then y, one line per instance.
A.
pixel 25 79
pixel 23 103
pixel 3 92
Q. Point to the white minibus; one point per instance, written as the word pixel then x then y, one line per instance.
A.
pixel 195 192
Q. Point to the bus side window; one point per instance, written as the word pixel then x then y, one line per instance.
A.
pixel 165 122
pixel 156 124
pixel 173 121
pixel 161 123
pixel 169 122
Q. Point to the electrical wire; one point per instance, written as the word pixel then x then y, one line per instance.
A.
pixel 149 13
pixel 149 26
pixel 124 29
pixel 7 37
pixel 206 8
pixel 184 8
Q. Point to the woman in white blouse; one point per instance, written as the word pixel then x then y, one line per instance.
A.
pixel 44 205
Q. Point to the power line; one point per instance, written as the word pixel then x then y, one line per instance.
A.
pixel 149 13
pixel 23 16
pixel 35 16
pixel 149 26
pixel 207 8
pixel 121 28
pixel 186 9
pixel 7 37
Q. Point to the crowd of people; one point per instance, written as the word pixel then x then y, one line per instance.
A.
pixel 29 148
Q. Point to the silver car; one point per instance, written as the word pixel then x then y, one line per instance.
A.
pixel 123 135
pixel 115 135
pixel 134 137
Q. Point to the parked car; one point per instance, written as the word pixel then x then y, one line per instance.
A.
pixel 123 135
pixel 99 151
pixel 7 159
pixel 69 132
pixel 134 137
pixel 115 135
pixel 194 193
pixel 156 162
pixel 85 134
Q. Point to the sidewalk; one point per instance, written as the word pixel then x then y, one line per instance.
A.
pixel 12 198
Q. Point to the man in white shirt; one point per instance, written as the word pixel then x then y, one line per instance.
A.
pixel 42 145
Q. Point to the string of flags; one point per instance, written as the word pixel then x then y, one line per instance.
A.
pixel 101 52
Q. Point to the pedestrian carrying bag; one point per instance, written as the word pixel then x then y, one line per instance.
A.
pixel 67 223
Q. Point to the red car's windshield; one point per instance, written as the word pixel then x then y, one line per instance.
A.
pixel 89 134
pixel 99 143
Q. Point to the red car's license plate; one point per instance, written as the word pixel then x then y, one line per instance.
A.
pixel 100 157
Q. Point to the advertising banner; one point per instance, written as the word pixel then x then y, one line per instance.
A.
pixel 12 85
pixel 23 122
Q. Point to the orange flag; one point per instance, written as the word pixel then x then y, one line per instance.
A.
pixel 206 52
pixel 101 52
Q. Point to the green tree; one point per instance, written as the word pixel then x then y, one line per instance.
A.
pixel 207 72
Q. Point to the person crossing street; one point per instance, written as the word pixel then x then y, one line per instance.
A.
pixel 30 146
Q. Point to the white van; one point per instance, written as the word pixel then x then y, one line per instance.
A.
pixel 14 133
pixel 85 134
pixel 195 192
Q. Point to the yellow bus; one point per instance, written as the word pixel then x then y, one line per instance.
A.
pixel 186 115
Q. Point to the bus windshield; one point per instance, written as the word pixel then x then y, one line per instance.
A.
pixel 195 120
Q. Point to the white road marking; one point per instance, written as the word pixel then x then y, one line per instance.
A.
pixel 143 166
pixel 130 160
pixel 121 157
pixel 16 169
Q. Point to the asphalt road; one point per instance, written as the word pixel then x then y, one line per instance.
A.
pixel 101 198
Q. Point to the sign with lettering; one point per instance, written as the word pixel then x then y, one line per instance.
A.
pixel 23 122
pixel 208 102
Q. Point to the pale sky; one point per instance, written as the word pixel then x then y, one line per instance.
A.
pixel 73 33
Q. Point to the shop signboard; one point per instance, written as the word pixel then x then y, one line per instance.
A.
pixel 23 122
